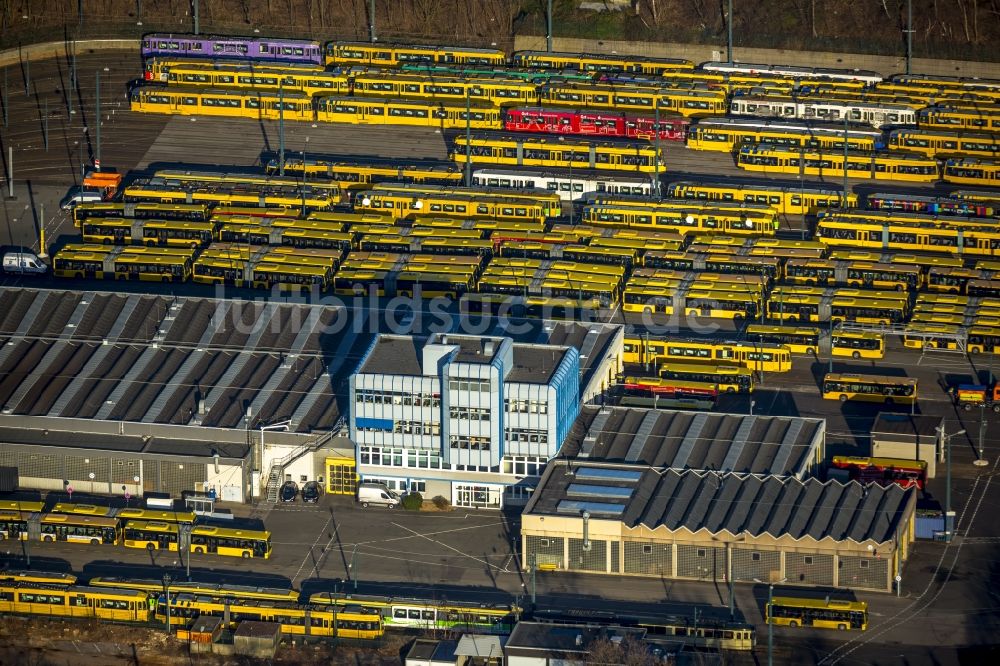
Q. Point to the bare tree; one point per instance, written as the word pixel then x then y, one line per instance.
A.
pixel 628 652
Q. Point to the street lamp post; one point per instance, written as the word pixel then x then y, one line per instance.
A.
pixel 767 618
pixel 981 461
pixel 844 206
pixel 947 491
pixel 353 573
pixel 729 26
pixel 166 587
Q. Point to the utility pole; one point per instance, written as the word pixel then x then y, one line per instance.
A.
pixel 281 128
pixel 656 147
pixel 729 26
pixel 371 22
pixel 97 122
pixel 27 74
pixel 548 28
pixel 10 168
pixel 197 25
pixel 41 231
pixel 468 140
pixel 45 124
pixel 844 207
pixel 982 434
pixel 5 98
pixel 909 36
pixel 534 568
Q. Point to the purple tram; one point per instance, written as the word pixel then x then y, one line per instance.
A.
pixel 246 48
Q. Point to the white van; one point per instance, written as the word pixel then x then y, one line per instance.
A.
pixel 23 263
pixel 376 493
pixel 79 195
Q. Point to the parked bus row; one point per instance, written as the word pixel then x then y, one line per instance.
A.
pixel 133 528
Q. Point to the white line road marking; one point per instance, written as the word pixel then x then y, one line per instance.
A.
pixel 440 543
pixel 305 560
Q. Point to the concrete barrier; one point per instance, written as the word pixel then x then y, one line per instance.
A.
pixel 56 49
pixel 698 53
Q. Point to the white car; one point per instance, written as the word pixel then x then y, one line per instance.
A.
pixel 79 195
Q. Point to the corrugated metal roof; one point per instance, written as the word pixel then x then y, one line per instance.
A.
pixel 737 503
pixel 704 441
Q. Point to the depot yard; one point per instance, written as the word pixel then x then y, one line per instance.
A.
pixel 335 543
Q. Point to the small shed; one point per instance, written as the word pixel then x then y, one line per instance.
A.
pixel 257 639
pixel 908 436
pixel 205 629
pixel 426 652
pixel 481 649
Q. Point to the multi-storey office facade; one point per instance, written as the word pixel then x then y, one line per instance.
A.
pixel 473 419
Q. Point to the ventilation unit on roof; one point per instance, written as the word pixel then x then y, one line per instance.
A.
pixel 587 448
pixel 488 347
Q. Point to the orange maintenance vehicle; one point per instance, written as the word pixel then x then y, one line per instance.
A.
pixel 968 396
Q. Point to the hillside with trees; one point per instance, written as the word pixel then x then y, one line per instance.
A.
pixel 960 29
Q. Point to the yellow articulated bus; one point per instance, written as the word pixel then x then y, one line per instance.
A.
pixel 550 200
pixel 234 103
pixel 498 91
pixel 260 76
pixel 927 237
pixel 858 345
pixel 394 55
pixel 728 378
pixel 820 613
pixel 691 100
pixel 219 590
pixel 361 174
pixel 942 143
pixel 920 335
pixel 150 267
pixel 954 117
pixel 950 280
pixel 683 222
pixel 290 276
pixel 972 171
pixel 593 62
pixel 867 165
pixel 14 524
pixel 151 233
pixel 853 273
pixel 92 261
pixel 798 339
pixel 785 200
pixel 440 113
pixel 728 134
pixel 984 339
pixel 867 311
pixel 401 204
pixel 343 621
pixel 141 211
pixel 869 388
pixel 74 601
pixel 760 356
pixel 426 284
pixel 496 149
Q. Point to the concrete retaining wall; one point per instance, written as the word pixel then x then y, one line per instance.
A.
pixel 56 49
pixel 697 53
